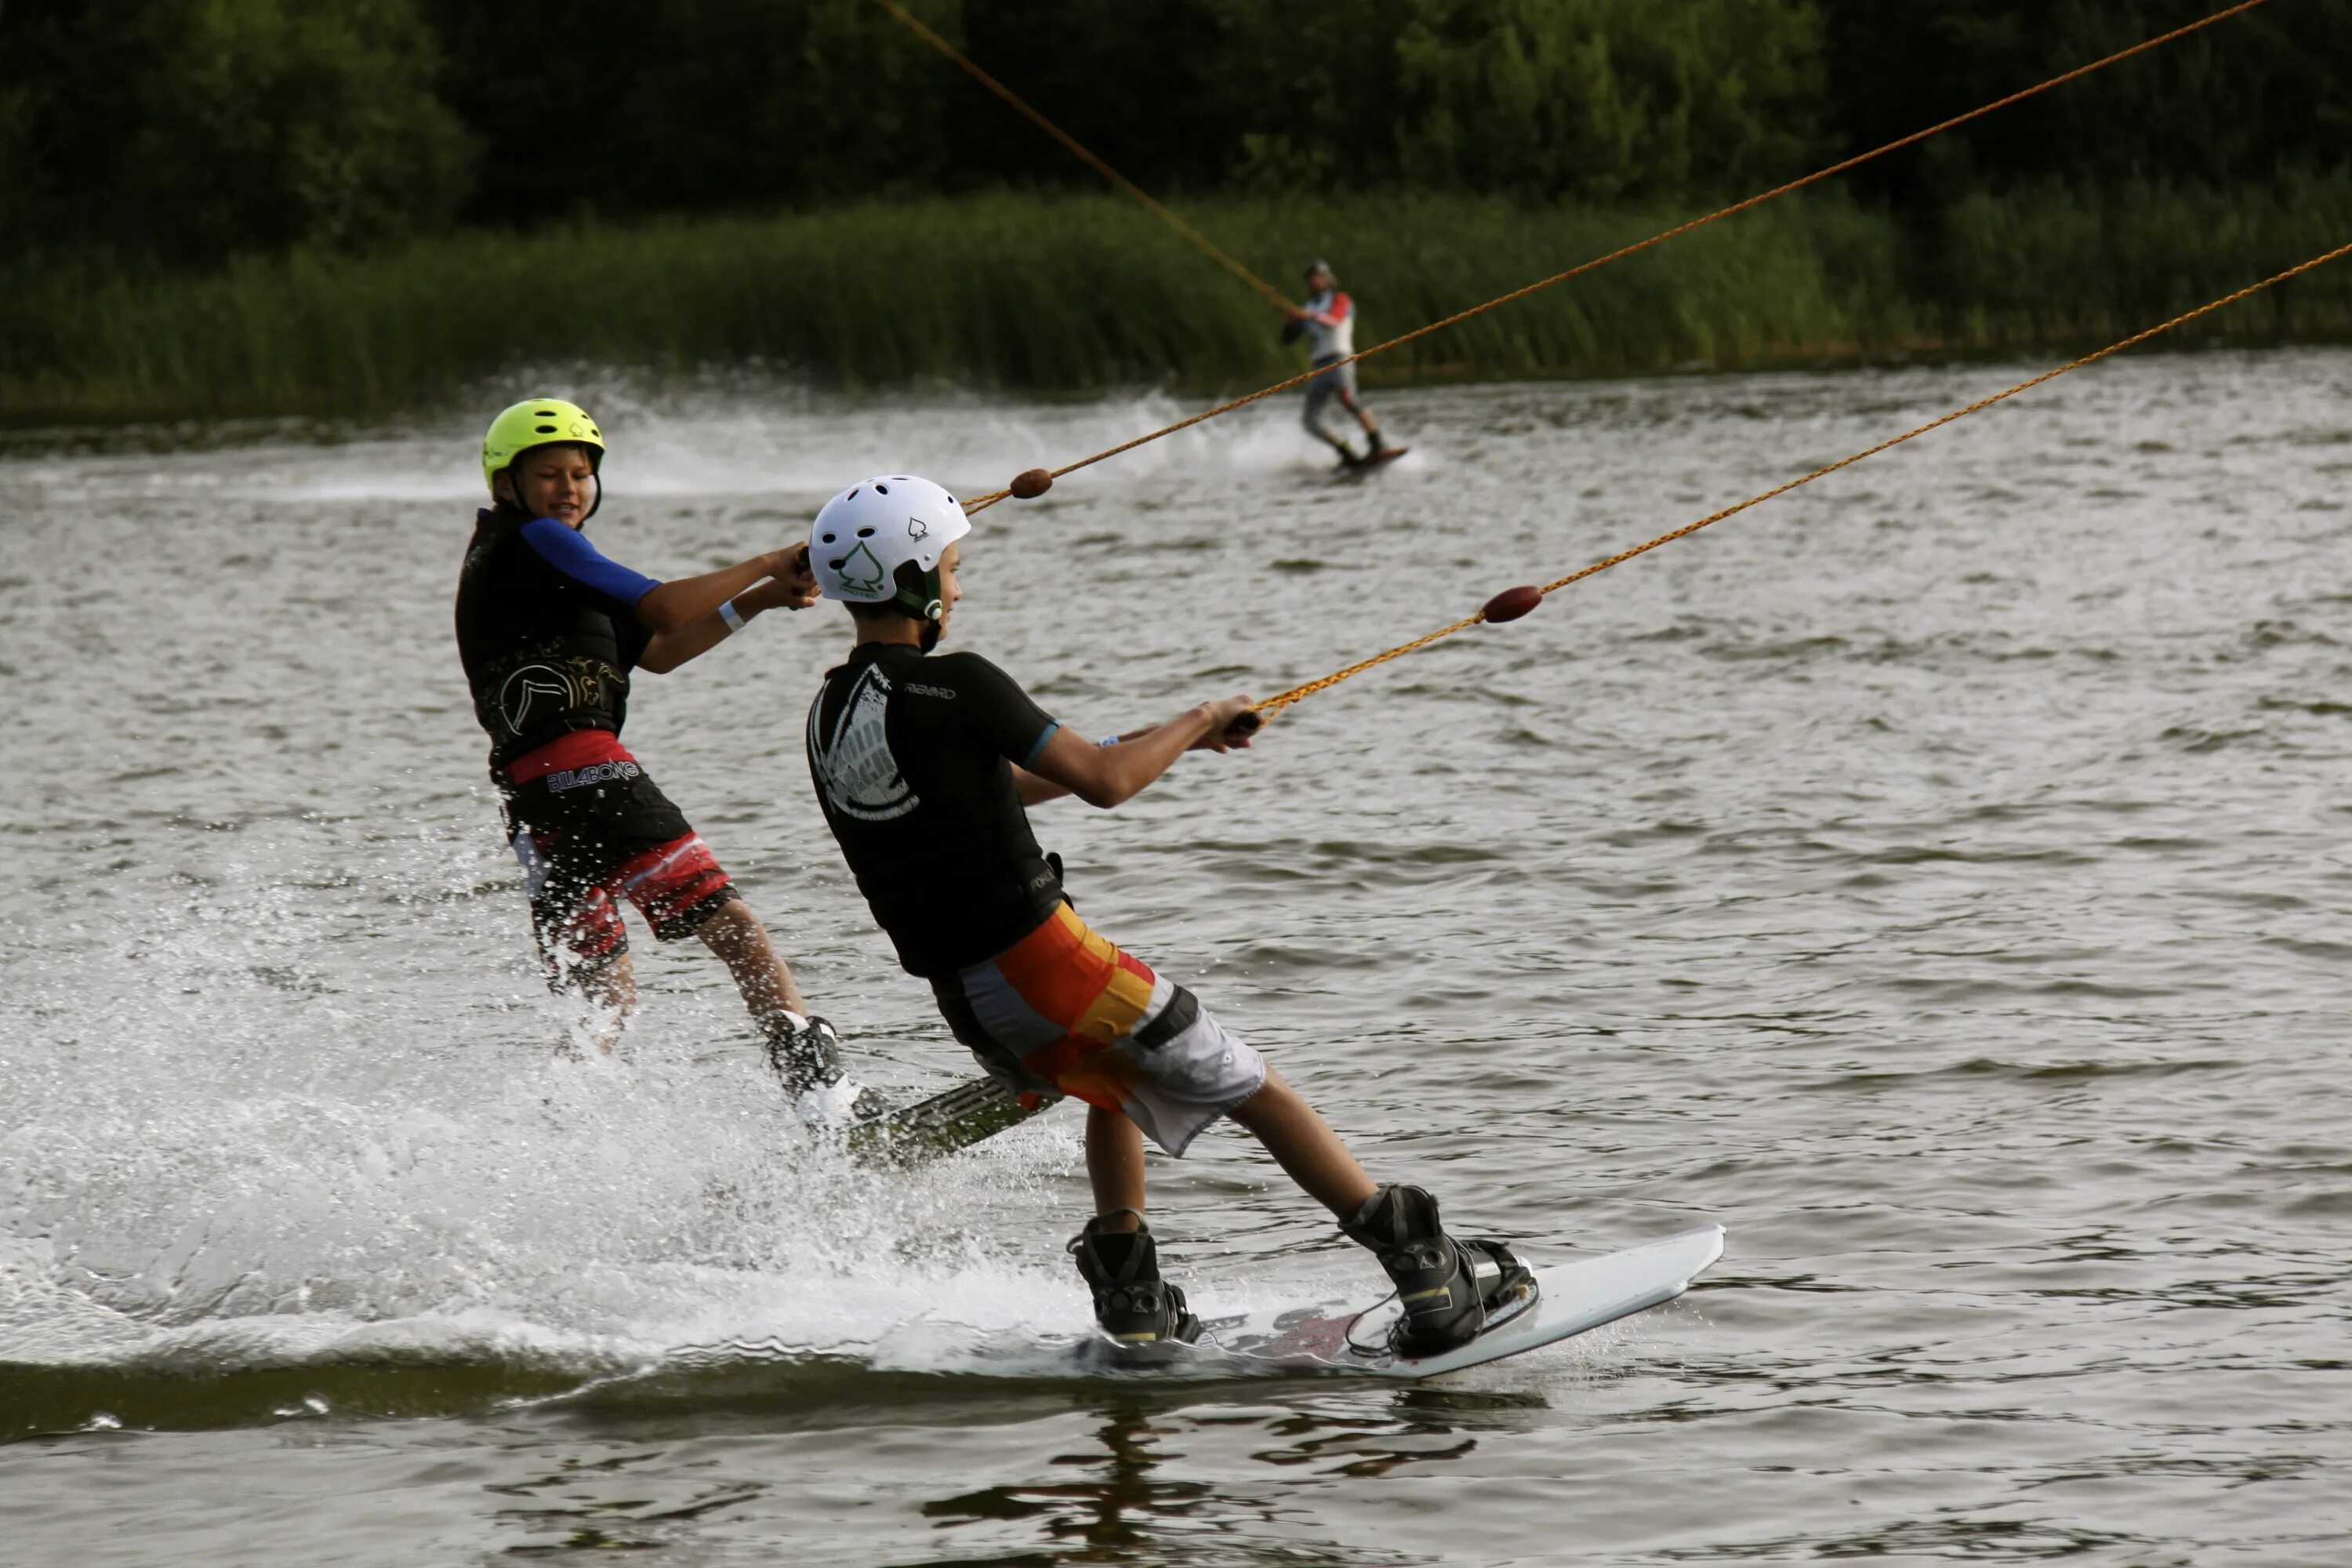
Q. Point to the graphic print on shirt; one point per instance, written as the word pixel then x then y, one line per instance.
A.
pixel 544 690
pixel 860 776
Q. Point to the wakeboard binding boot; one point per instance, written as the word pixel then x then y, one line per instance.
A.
pixel 806 1055
pixel 1134 1305
pixel 1451 1290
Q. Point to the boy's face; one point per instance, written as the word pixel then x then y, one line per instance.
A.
pixel 1318 281
pixel 554 482
pixel 950 589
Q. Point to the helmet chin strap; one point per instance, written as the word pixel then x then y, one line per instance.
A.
pixel 917 598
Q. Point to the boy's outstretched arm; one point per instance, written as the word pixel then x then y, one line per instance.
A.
pixel 683 599
pixel 1106 775
pixel 780 578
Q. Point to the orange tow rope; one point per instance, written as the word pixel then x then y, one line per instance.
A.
pixel 1512 603
pixel 1035 482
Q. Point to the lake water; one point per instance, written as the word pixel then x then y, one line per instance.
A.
pixel 1938 877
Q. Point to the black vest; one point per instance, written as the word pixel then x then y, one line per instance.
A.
pixel 544 655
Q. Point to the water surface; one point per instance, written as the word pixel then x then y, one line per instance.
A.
pixel 1936 877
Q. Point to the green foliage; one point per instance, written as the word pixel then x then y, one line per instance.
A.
pixel 698 105
pixel 229 125
pixel 235 203
pixel 2252 98
pixel 192 129
pixel 1606 100
pixel 1085 292
pixel 2054 264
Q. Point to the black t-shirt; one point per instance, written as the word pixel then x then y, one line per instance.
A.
pixel 912 758
pixel 548 631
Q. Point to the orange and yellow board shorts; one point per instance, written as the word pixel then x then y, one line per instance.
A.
pixel 1062 1011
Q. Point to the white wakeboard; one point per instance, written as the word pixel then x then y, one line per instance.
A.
pixel 1571 1298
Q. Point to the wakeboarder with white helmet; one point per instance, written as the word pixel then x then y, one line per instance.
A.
pixel 925 763
pixel 549 629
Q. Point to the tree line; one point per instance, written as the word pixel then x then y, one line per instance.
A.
pixel 188 133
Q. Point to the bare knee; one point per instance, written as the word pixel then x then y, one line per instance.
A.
pixel 1273 1098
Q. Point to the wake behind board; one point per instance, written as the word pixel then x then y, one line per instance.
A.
pixel 1340 1340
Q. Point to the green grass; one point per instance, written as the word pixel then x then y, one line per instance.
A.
pixel 1077 293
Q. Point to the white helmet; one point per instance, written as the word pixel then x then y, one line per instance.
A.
pixel 864 538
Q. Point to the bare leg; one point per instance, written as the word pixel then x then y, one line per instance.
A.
pixel 611 992
pixel 1115 1166
pixel 741 942
pixel 1301 1143
pixel 1312 419
pixel 1336 443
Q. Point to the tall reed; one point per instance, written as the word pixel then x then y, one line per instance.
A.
pixel 1077 293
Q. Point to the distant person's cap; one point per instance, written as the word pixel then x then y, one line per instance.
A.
pixel 1317 265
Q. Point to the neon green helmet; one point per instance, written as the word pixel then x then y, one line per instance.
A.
pixel 541 421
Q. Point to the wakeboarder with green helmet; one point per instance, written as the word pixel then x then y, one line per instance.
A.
pixel 926 764
pixel 549 629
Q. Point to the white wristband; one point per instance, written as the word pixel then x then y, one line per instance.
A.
pixel 1108 740
pixel 731 615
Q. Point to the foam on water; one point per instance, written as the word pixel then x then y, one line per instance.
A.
pixel 740 438
pixel 239 1165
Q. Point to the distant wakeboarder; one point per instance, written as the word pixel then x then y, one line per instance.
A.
pixel 1327 322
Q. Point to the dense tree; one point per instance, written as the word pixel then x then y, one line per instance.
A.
pixel 189 130
pixel 1607 98
pixel 670 105
pixel 2258 95
pixel 195 129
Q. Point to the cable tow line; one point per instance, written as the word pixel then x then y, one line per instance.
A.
pixel 1088 159
pixel 1512 603
pixel 1034 483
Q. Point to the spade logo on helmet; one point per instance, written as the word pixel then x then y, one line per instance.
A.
pixel 861 571
pixel 918 529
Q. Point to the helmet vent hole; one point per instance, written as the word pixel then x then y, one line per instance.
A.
pixel 828 538
pixel 881 489
pixel 852 495
pixel 837 563
pixel 542 429
pixel 864 534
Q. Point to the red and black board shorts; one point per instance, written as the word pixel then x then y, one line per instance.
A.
pixel 590 827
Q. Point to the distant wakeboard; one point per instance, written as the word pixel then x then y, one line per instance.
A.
pixel 1339 1340
pixel 1364 467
